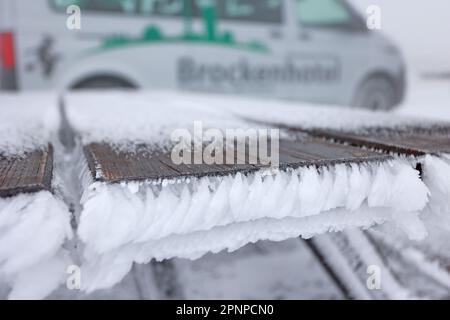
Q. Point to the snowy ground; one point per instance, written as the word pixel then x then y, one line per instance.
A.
pixel 427 98
pixel 266 270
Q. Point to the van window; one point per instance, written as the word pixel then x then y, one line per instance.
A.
pixel 323 13
pixel 120 6
pixel 262 11
pixel 266 11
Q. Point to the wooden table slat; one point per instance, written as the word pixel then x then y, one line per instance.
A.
pixel 412 142
pixel 31 172
pixel 110 165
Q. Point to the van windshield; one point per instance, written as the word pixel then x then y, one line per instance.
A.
pixel 327 13
pixel 265 11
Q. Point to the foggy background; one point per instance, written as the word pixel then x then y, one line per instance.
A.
pixel 420 28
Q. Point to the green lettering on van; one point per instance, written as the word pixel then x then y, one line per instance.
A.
pixel 211 35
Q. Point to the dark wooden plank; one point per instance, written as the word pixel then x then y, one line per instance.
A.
pixel 407 140
pixel 319 150
pixel 415 142
pixel 31 172
pixel 110 165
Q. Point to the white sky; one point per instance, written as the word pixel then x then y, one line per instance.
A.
pixel 421 28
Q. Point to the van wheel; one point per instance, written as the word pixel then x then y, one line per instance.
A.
pixel 104 82
pixel 376 93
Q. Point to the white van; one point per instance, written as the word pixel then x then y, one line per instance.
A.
pixel 312 50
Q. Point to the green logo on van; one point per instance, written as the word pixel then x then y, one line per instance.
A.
pixel 211 35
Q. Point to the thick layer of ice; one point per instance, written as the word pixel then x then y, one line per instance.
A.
pixel 436 175
pixel 302 114
pixel 130 118
pixel 137 222
pixel 33 228
pixel 27 121
pixel 430 257
pixel 107 116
